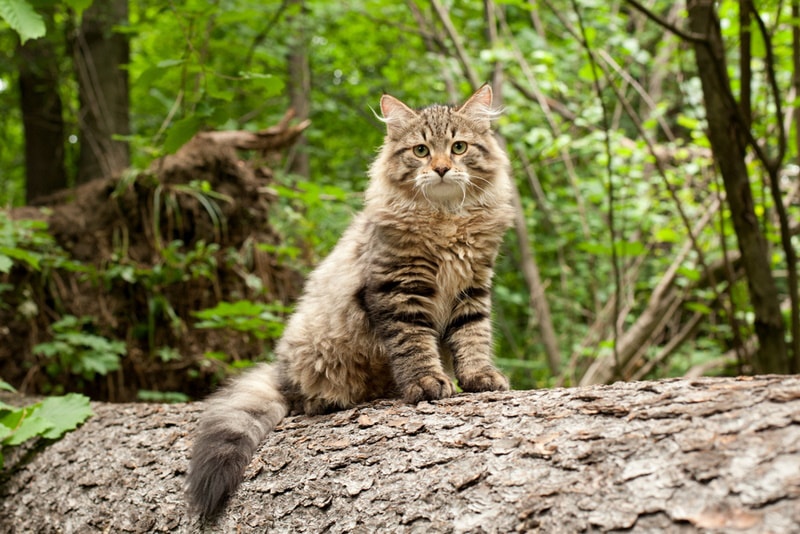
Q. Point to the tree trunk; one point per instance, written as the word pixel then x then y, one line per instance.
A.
pixel 101 55
pixel 42 119
pixel 299 86
pixel 672 455
pixel 727 135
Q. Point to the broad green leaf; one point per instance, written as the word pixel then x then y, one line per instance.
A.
pixel 99 363
pixel 23 19
pixel 266 84
pixel 25 424
pixel 52 348
pixel 153 74
pixel 65 413
pixel 31 426
pixel 4 433
pixel 180 132
pixel 666 235
pixel 5 264
pixel 28 257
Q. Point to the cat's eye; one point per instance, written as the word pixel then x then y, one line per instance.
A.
pixel 421 151
pixel 459 147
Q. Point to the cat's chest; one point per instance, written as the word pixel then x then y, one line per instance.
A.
pixel 463 258
pixel 456 254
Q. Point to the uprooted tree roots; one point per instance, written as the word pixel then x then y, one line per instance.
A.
pixel 139 254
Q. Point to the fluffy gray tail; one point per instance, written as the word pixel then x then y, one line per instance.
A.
pixel 237 420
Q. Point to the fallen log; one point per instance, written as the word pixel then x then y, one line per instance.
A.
pixel 675 455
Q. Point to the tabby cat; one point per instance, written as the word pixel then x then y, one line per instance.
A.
pixel 403 299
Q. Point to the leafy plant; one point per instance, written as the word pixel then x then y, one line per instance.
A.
pixel 258 319
pixel 146 395
pixel 27 242
pixel 49 419
pixel 20 15
pixel 75 349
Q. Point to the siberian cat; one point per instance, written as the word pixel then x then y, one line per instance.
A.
pixel 403 299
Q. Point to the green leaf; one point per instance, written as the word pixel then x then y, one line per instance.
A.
pixel 99 363
pixel 30 427
pixel 78 6
pixel 4 433
pixel 20 254
pixel 52 348
pixel 65 413
pixel 623 249
pixel 5 264
pixel 161 396
pixel 699 307
pixel 180 132
pixel 230 309
pixel 267 84
pixel 666 235
pixel 23 19
pixel 153 74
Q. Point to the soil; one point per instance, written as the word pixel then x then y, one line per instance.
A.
pixel 132 237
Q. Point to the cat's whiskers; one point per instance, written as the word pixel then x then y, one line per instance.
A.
pixel 472 179
pixel 425 195
pixel 463 186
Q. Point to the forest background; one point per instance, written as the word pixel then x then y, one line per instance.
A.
pixel 654 149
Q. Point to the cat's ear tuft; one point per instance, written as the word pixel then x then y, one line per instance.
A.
pixel 479 106
pixel 395 113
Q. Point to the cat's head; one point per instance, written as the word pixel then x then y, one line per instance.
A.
pixel 442 156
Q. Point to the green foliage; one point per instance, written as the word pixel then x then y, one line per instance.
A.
pixel 258 319
pixel 22 18
pixel 76 350
pixel 170 397
pixel 49 419
pixel 199 64
pixel 311 216
pixel 28 242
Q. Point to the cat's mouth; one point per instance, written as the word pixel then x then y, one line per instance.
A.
pixel 452 187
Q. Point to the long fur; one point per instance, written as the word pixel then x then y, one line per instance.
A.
pixel 402 299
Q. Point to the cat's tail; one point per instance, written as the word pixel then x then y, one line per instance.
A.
pixel 237 420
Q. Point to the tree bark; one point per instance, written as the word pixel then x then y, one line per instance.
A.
pixel 727 135
pixel 42 118
pixel 101 55
pixel 299 85
pixel 672 455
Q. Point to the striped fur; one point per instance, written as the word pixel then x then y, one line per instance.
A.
pixel 403 299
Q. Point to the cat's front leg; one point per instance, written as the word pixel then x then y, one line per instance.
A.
pixel 468 336
pixel 400 314
pixel 414 359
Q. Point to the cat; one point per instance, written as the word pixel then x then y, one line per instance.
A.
pixel 403 298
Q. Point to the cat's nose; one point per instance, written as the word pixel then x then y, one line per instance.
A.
pixel 441 170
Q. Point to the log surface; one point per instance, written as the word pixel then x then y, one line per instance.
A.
pixel 673 455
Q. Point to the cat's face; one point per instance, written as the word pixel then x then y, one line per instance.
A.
pixel 441 155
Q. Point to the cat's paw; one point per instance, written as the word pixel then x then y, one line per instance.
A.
pixel 489 379
pixel 429 387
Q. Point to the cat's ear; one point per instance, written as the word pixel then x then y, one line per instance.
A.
pixel 395 113
pixel 479 106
